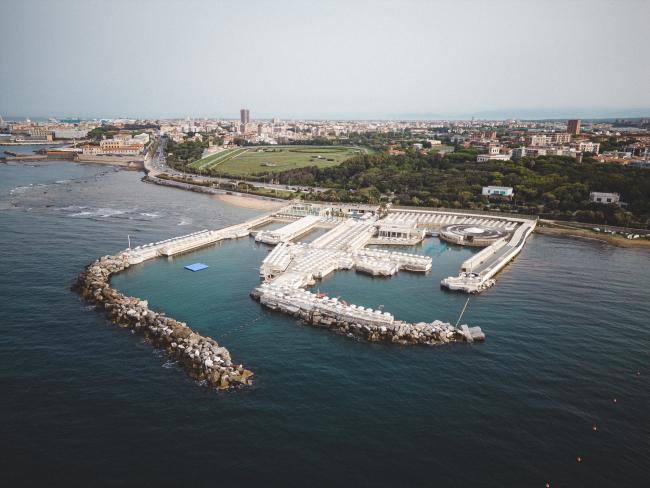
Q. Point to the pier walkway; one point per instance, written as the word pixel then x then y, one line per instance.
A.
pixel 477 273
pixel 190 242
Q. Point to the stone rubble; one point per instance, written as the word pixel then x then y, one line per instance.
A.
pixel 200 356
pixel 348 320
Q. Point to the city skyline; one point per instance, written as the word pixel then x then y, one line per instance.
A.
pixel 359 60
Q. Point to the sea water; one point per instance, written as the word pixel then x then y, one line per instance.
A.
pixel 564 372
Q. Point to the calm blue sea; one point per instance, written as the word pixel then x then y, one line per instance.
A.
pixel 84 403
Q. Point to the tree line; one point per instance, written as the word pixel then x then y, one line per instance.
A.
pixel 549 186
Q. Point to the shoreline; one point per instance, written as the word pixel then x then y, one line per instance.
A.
pixel 254 202
pixel 250 202
pixel 243 200
pixel 585 234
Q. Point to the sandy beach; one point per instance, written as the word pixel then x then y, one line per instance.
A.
pixel 250 202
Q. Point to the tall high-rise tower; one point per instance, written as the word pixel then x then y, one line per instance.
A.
pixel 573 127
pixel 244 116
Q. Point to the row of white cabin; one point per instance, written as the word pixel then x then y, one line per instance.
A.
pixel 438 219
pixel 292 300
pixel 350 235
pixel 319 262
pixel 289 231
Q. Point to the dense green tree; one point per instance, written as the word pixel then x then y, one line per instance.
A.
pixel 552 186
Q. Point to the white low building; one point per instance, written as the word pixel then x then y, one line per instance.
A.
pixel 400 231
pixel 484 158
pixel 603 197
pixel 588 146
pixel 498 191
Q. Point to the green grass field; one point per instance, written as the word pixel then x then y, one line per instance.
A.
pixel 252 160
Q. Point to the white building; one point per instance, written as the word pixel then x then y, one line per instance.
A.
pixel 498 191
pixel 518 152
pixel 537 140
pixel 588 146
pixel 603 197
pixel 483 158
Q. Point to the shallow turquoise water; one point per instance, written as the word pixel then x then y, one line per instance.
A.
pixel 82 400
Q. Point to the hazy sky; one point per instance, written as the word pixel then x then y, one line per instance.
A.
pixel 320 59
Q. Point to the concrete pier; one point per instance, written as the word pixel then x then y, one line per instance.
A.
pixel 477 273
pixel 193 241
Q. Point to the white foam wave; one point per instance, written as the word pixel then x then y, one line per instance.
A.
pixel 99 212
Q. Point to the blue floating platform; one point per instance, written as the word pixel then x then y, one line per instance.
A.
pixel 196 266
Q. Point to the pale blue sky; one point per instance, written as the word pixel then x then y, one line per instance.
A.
pixel 344 59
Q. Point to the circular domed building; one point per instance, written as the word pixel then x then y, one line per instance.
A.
pixel 471 235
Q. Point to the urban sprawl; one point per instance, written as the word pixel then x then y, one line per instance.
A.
pixel 248 154
pixel 494 139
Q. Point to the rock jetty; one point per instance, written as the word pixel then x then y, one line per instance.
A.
pixel 200 356
pixel 348 320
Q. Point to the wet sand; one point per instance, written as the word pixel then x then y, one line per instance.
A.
pixel 250 202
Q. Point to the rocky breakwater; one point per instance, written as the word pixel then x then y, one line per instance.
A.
pixel 200 356
pixel 321 311
pixel 403 333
